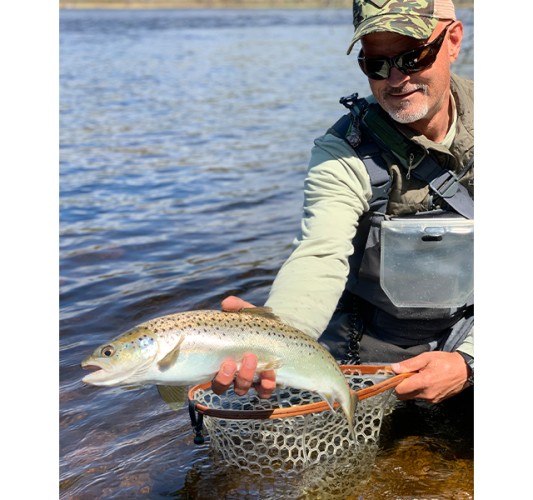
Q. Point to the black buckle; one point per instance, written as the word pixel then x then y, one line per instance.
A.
pixel 349 101
pixel 448 185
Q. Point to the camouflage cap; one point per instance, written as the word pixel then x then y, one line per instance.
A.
pixel 414 18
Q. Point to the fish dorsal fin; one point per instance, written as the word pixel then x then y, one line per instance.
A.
pixel 172 356
pixel 263 312
pixel 173 396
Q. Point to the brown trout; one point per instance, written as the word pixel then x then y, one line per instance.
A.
pixel 187 348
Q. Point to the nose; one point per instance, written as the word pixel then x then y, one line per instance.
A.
pixel 396 77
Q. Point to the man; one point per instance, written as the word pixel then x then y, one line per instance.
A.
pixel 407 48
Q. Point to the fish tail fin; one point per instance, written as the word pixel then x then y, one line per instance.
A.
pixel 348 407
pixel 350 411
pixel 329 399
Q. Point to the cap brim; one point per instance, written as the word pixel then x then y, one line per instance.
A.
pixel 412 26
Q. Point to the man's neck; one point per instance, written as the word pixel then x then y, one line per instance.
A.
pixel 436 127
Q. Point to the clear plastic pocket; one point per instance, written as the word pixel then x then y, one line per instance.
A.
pixel 427 262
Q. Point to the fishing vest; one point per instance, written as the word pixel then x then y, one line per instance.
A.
pixel 410 177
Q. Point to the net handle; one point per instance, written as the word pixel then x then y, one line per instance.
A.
pixel 382 386
pixel 296 410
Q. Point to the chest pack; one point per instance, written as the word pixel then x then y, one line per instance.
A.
pixel 399 284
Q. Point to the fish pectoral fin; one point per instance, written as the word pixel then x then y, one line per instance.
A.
pixel 171 357
pixel 273 364
pixel 266 365
pixel 174 396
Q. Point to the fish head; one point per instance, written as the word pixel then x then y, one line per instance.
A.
pixel 124 360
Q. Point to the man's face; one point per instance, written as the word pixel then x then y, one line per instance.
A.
pixel 420 99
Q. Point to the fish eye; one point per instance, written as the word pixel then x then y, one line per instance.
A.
pixel 108 351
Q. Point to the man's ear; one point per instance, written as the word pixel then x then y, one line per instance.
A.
pixel 455 36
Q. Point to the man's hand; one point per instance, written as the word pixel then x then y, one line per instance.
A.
pixel 244 378
pixel 234 304
pixel 440 376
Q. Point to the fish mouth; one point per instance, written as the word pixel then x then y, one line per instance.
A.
pixel 90 367
pixel 105 374
pixel 100 374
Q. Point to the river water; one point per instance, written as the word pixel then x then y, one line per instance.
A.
pixel 185 136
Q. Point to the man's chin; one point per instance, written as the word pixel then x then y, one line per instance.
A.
pixel 407 115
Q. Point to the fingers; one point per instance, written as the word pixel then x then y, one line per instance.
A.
pixel 245 377
pixel 233 303
pixel 410 389
pixel 228 375
pixel 224 378
pixel 416 385
pixel 439 376
pixel 413 364
pixel 267 384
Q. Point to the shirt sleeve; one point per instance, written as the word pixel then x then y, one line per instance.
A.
pixel 467 346
pixel 308 286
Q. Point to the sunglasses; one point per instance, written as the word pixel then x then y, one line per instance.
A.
pixel 409 62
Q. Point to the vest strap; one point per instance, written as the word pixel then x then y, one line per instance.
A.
pixel 371 155
pixel 376 126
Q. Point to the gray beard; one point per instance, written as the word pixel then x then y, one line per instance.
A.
pixel 406 115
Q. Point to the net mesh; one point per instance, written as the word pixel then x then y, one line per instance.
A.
pixel 296 443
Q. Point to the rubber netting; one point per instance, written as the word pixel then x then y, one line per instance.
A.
pixel 296 444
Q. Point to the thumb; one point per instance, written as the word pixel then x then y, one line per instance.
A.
pixel 233 303
pixel 410 365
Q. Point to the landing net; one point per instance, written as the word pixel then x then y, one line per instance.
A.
pixel 296 429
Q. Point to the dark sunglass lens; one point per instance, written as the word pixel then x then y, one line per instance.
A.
pixel 415 60
pixel 426 57
pixel 421 58
pixel 409 62
pixel 377 69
